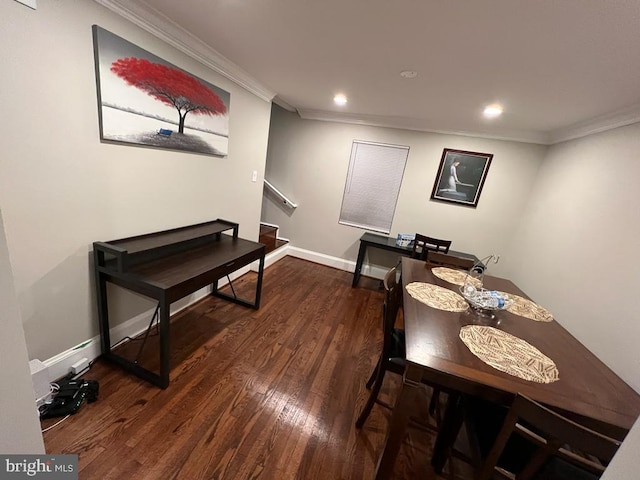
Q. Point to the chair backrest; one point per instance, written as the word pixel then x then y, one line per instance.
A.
pixel 446 260
pixel 392 300
pixel 423 244
pixel 552 434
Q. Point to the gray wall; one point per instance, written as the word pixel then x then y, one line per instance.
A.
pixel 19 422
pixel 61 189
pixel 577 244
pixel 625 464
pixel 308 161
pixel 576 248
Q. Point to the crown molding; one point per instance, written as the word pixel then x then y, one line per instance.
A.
pixel 281 103
pixel 149 19
pixel 619 118
pixel 417 125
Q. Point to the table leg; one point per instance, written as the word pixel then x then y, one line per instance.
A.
pixel 103 313
pixel 448 432
pixel 165 366
pixel 359 261
pixel 399 422
pixel 259 283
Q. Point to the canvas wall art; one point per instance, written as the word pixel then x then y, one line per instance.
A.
pixel 144 100
pixel 461 176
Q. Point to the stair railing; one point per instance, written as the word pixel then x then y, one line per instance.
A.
pixel 281 196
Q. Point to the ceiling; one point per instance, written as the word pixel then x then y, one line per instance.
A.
pixel 560 68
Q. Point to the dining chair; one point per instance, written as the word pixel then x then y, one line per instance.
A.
pixel 446 260
pixel 423 244
pixel 392 357
pixel 556 447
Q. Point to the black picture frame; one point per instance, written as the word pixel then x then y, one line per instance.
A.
pixel 461 176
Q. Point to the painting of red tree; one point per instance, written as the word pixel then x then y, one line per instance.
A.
pixel 144 100
pixel 170 86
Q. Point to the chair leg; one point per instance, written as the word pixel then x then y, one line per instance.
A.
pixel 374 374
pixel 434 405
pixel 373 396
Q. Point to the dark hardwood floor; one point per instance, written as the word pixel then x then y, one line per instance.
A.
pixel 269 394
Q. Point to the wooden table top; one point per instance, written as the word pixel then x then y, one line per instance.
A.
pixel 185 272
pixel 174 269
pixel 587 387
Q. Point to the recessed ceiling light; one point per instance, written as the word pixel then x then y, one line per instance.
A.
pixel 408 74
pixel 340 99
pixel 492 111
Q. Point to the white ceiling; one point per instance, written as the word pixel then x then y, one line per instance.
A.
pixel 560 68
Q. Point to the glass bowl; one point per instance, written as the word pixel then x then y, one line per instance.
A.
pixel 485 302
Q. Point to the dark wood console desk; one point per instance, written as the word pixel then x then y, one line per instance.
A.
pixel 168 266
pixel 388 243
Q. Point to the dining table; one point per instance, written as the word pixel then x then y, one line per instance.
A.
pixel 567 377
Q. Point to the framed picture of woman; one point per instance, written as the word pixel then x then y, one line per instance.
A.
pixel 461 176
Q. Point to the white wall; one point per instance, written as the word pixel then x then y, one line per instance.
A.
pixel 308 161
pixel 19 422
pixel 626 464
pixel 61 189
pixel 576 249
pixel 578 243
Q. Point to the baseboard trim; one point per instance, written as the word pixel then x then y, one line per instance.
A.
pixel 323 259
pixel 339 263
pixel 272 257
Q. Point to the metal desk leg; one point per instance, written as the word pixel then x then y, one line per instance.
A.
pixel 234 298
pixel 164 343
pixel 259 283
pixel 361 252
pixel 103 313
pixel 399 422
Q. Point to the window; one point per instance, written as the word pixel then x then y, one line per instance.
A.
pixel 372 186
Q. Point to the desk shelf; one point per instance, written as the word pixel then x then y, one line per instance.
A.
pixel 124 253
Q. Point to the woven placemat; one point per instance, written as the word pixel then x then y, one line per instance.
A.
pixel 528 309
pixel 437 297
pixel 457 277
pixel 509 354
